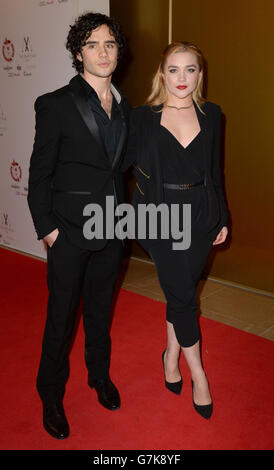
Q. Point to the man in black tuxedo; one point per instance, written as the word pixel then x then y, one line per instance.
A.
pixel 81 131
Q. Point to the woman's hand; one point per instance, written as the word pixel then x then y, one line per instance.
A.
pixel 221 236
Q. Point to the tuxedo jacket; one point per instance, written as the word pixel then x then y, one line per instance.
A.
pixel 69 167
pixel 144 155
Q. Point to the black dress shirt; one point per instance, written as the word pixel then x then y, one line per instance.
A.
pixel 110 128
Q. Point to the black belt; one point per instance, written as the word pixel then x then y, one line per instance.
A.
pixel 183 186
pixel 73 192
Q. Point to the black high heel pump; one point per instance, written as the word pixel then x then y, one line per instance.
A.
pixel 174 387
pixel 204 410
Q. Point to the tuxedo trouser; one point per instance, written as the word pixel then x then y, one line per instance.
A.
pixel 72 272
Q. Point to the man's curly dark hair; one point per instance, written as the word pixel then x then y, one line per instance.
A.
pixel 82 29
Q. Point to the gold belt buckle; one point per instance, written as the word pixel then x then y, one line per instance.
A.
pixel 185 186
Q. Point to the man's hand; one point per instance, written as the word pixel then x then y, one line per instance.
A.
pixel 221 236
pixel 51 237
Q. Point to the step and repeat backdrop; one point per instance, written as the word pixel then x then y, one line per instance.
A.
pixel 33 61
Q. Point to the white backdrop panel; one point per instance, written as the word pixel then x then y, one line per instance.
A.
pixel 33 61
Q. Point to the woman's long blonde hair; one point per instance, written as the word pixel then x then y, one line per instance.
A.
pixel 159 92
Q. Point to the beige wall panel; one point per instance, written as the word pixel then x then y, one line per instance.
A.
pixel 237 40
pixel 145 24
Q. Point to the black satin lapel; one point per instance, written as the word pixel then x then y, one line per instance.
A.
pixel 156 113
pixel 206 135
pixel 121 141
pixel 153 131
pixel 87 116
pixel 202 118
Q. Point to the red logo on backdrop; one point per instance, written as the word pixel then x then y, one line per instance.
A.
pixel 15 171
pixel 8 50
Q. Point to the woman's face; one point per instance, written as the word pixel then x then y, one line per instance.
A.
pixel 181 74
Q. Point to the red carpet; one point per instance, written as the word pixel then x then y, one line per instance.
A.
pixel 239 367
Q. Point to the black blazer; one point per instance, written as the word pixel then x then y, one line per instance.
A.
pixel 69 167
pixel 143 154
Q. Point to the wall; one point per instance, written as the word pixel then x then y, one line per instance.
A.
pixel 146 28
pixel 237 41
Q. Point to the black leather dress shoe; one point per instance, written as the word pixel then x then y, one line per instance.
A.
pixel 108 394
pixel 55 421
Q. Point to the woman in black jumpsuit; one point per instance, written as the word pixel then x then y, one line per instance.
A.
pixel 179 271
pixel 175 146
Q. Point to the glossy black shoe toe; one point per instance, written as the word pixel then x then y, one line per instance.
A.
pixel 107 393
pixel 55 421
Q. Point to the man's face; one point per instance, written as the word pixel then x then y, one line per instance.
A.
pixel 99 54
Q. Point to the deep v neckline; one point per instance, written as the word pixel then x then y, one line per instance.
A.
pixel 175 138
pixel 192 140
